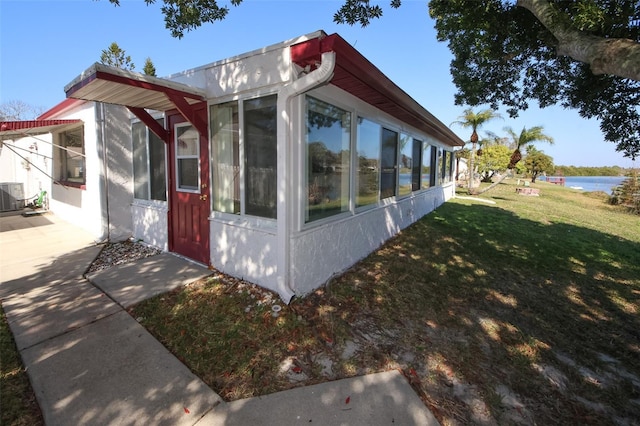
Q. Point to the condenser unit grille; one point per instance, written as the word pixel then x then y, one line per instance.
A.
pixel 11 196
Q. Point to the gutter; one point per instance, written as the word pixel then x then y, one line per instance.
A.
pixel 318 77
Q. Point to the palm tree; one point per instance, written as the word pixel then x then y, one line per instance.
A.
pixel 526 137
pixel 472 120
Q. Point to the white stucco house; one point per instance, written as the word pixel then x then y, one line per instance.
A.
pixel 283 166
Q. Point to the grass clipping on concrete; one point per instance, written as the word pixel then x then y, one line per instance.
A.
pixel 522 312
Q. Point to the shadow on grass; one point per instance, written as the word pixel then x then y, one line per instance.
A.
pixel 549 311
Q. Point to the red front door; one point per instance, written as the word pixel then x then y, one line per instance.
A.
pixel 189 189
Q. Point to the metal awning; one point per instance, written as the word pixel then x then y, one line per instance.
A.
pixel 355 74
pixel 138 92
pixel 20 129
pixel 102 83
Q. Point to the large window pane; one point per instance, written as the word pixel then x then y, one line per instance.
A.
pixel 260 145
pixel 157 165
pixel 416 170
pixel 140 162
pixel 149 167
pixel 388 163
pixel 428 159
pixel 328 155
pixel 447 166
pixel 71 167
pixel 405 165
pixel 441 166
pixel 367 175
pixel 226 152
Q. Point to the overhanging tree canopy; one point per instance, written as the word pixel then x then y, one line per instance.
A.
pixel 581 54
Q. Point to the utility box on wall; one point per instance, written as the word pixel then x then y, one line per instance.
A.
pixel 11 196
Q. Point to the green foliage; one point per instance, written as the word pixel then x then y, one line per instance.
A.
pixel 149 68
pixel 494 159
pixel 360 12
pixel 181 16
pixel 537 163
pixel 114 56
pixel 526 137
pixel 589 171
pixel 628 194
pixel 504 56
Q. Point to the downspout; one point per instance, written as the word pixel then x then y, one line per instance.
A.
pixel 100 135
pixel 316 78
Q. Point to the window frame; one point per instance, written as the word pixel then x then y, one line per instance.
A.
pixel 148 134
pixel 196 189
pixel 62 158
pixel 252 220
pixel 347 207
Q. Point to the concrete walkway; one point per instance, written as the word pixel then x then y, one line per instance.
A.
pixel 89 362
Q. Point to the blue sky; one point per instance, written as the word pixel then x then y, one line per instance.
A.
pixel 46 44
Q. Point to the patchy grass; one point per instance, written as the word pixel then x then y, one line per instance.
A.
pixel 17 400
pixel 522 312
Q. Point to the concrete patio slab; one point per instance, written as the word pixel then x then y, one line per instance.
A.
pixel 50 311
pixel 114 372
pixel 28 244
pixel 372 400
pixel 140 280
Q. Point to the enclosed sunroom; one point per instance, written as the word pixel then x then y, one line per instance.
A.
pixel 283 166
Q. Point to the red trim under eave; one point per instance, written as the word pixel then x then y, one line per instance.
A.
pixel 60 108
pixel 134 83
pixel 33 124
pixel 355 74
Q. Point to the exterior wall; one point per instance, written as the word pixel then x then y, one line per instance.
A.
pixel 319 251
pixel 150 224
pixel 262 68
pixel 38 151
pixel 103 206
pixel 243 250
pixel 329 249
pixel 82 206
pixel 117 183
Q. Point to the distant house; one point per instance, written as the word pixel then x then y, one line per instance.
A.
pixel 283 166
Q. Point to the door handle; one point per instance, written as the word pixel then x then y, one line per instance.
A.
pixel 203 197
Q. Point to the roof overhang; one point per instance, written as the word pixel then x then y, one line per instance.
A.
pixel 139 93
pixel 102 83
pixel 20 129
pixel 356 75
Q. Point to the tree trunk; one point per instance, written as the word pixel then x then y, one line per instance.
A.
pixel 616 56
pixel 494 184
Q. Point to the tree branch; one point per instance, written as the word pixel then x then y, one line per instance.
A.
pixel 614 56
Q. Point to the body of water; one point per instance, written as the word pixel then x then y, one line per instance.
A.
pixel 592 183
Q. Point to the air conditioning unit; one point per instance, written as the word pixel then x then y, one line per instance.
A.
pixel 11 196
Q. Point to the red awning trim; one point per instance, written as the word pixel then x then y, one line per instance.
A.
pixel 101 83
pixel 137 92
pixel 357 75
pixel 60 108
pixel 20 129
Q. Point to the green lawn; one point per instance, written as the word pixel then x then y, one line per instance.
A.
pixel 521 312
pixel 18 404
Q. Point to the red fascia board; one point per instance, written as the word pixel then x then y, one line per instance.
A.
pixel 357 75
pixel 33 124
pixel 131 82
pixel 61 107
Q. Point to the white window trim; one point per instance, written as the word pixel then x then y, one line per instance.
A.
pixel 177 157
